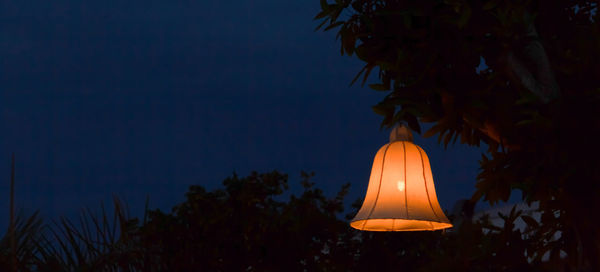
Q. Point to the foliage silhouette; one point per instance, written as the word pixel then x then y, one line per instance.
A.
pixel 519 76
pixel 246 227
pixel 96 242
pixel 255 224
pixel 250 226
pixel 27 234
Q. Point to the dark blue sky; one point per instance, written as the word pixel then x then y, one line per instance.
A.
pixel 140 98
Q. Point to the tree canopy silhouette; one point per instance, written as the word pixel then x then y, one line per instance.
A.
pixel 519 76
pixel 251 225
pixel 248 226
pixel 256 223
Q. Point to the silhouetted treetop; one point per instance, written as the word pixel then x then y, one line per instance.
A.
pixel 519 76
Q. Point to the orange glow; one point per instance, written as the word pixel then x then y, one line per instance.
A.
pixel 401 194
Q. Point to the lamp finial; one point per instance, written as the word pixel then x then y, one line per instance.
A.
pixel 401 133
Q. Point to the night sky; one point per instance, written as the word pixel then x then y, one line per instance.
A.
pixel 137 98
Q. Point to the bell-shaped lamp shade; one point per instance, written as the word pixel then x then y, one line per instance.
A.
pixel 401 195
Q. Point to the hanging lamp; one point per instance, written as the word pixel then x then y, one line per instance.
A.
pixel 401 195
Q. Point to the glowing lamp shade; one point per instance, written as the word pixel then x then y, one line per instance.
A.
pixel 401 195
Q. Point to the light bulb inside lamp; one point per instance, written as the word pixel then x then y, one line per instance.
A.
pixel 401 185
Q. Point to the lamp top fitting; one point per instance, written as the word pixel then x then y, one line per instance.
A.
pixel 401 133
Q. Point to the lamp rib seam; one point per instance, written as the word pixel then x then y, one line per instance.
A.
pixel 425 182
pixel 405 182
pixel 379 186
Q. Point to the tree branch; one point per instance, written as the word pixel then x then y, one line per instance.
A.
pixel 541 81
